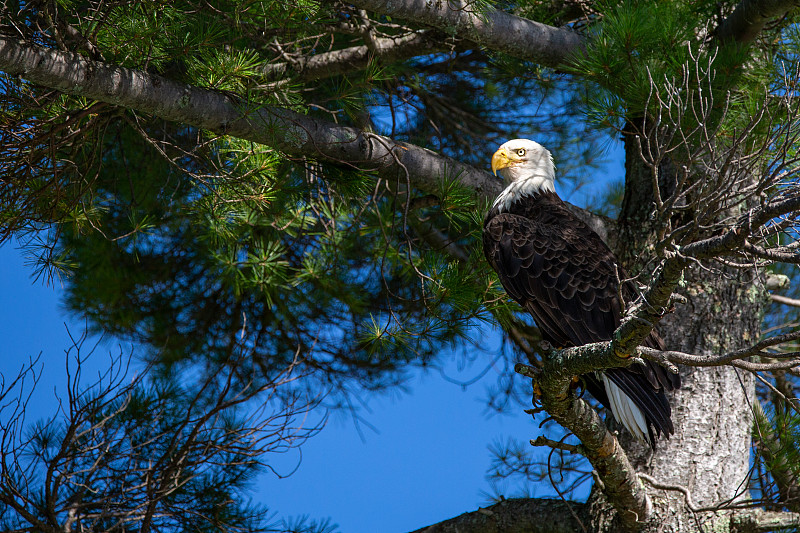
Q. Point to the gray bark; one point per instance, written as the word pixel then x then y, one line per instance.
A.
pixel 495 29
pixel 517 516
pixel 709 453
pixel 758 521
pixel 749 18
pixel 295 134
pixel 348 60
pixel 708 456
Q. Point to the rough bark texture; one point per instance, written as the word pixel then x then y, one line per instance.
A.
pixel 709 453
pixel 495 29
pixel 297 135
pixel 293 133
pixel 749 18
pixel 517 516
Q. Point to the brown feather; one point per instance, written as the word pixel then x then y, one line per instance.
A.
pixel 563 273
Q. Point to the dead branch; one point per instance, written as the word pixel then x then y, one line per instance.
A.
pixel 356 58
pixel 120 449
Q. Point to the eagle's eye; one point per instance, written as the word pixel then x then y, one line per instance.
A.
pixel 521 152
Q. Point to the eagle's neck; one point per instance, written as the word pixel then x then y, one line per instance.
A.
pixel 532 183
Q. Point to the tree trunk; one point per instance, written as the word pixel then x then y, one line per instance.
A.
pixel 709 452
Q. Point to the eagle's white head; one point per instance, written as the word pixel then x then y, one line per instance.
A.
pixel 526 167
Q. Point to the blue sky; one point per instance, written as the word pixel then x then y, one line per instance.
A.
pixel 425 461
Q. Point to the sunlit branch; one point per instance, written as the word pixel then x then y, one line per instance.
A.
pixel 349 60
pixel 487 26
pixel 785 360
pixel 598 443
pixel 777 298
pixel 293 133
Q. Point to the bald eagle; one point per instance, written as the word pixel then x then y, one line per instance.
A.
pixel 563 274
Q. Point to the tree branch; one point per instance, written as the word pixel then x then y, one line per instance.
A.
pixel 777 298
pixel 355 58
pixel 620 484
pixel 731 357
pixel 517 516
pixel 749 17
pixel 737 235
pixel 489 27
pixel 648 310
pixel 295 134
pixel 678 488
pixel 779 255
pixel 758 521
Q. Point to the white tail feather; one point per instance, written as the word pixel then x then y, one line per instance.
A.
pixel 625 411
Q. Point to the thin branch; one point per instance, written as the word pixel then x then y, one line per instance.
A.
pixel 678 488
pixel 779 254
pixel 541 440
pixel 356 58
pixel 777 298
pixel 737 234
pixel 787 359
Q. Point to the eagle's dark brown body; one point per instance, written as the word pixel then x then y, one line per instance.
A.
pixel 563 273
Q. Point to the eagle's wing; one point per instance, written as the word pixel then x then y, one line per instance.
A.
pixel 567 278
pixel 564 277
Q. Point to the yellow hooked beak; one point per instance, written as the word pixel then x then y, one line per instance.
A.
pixel 501 159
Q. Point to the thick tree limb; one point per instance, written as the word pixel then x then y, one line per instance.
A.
pixel 295 134
pixel 517 516
pixel 492 28
pixel 749 18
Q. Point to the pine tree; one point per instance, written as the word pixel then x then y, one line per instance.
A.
pixel 246 188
